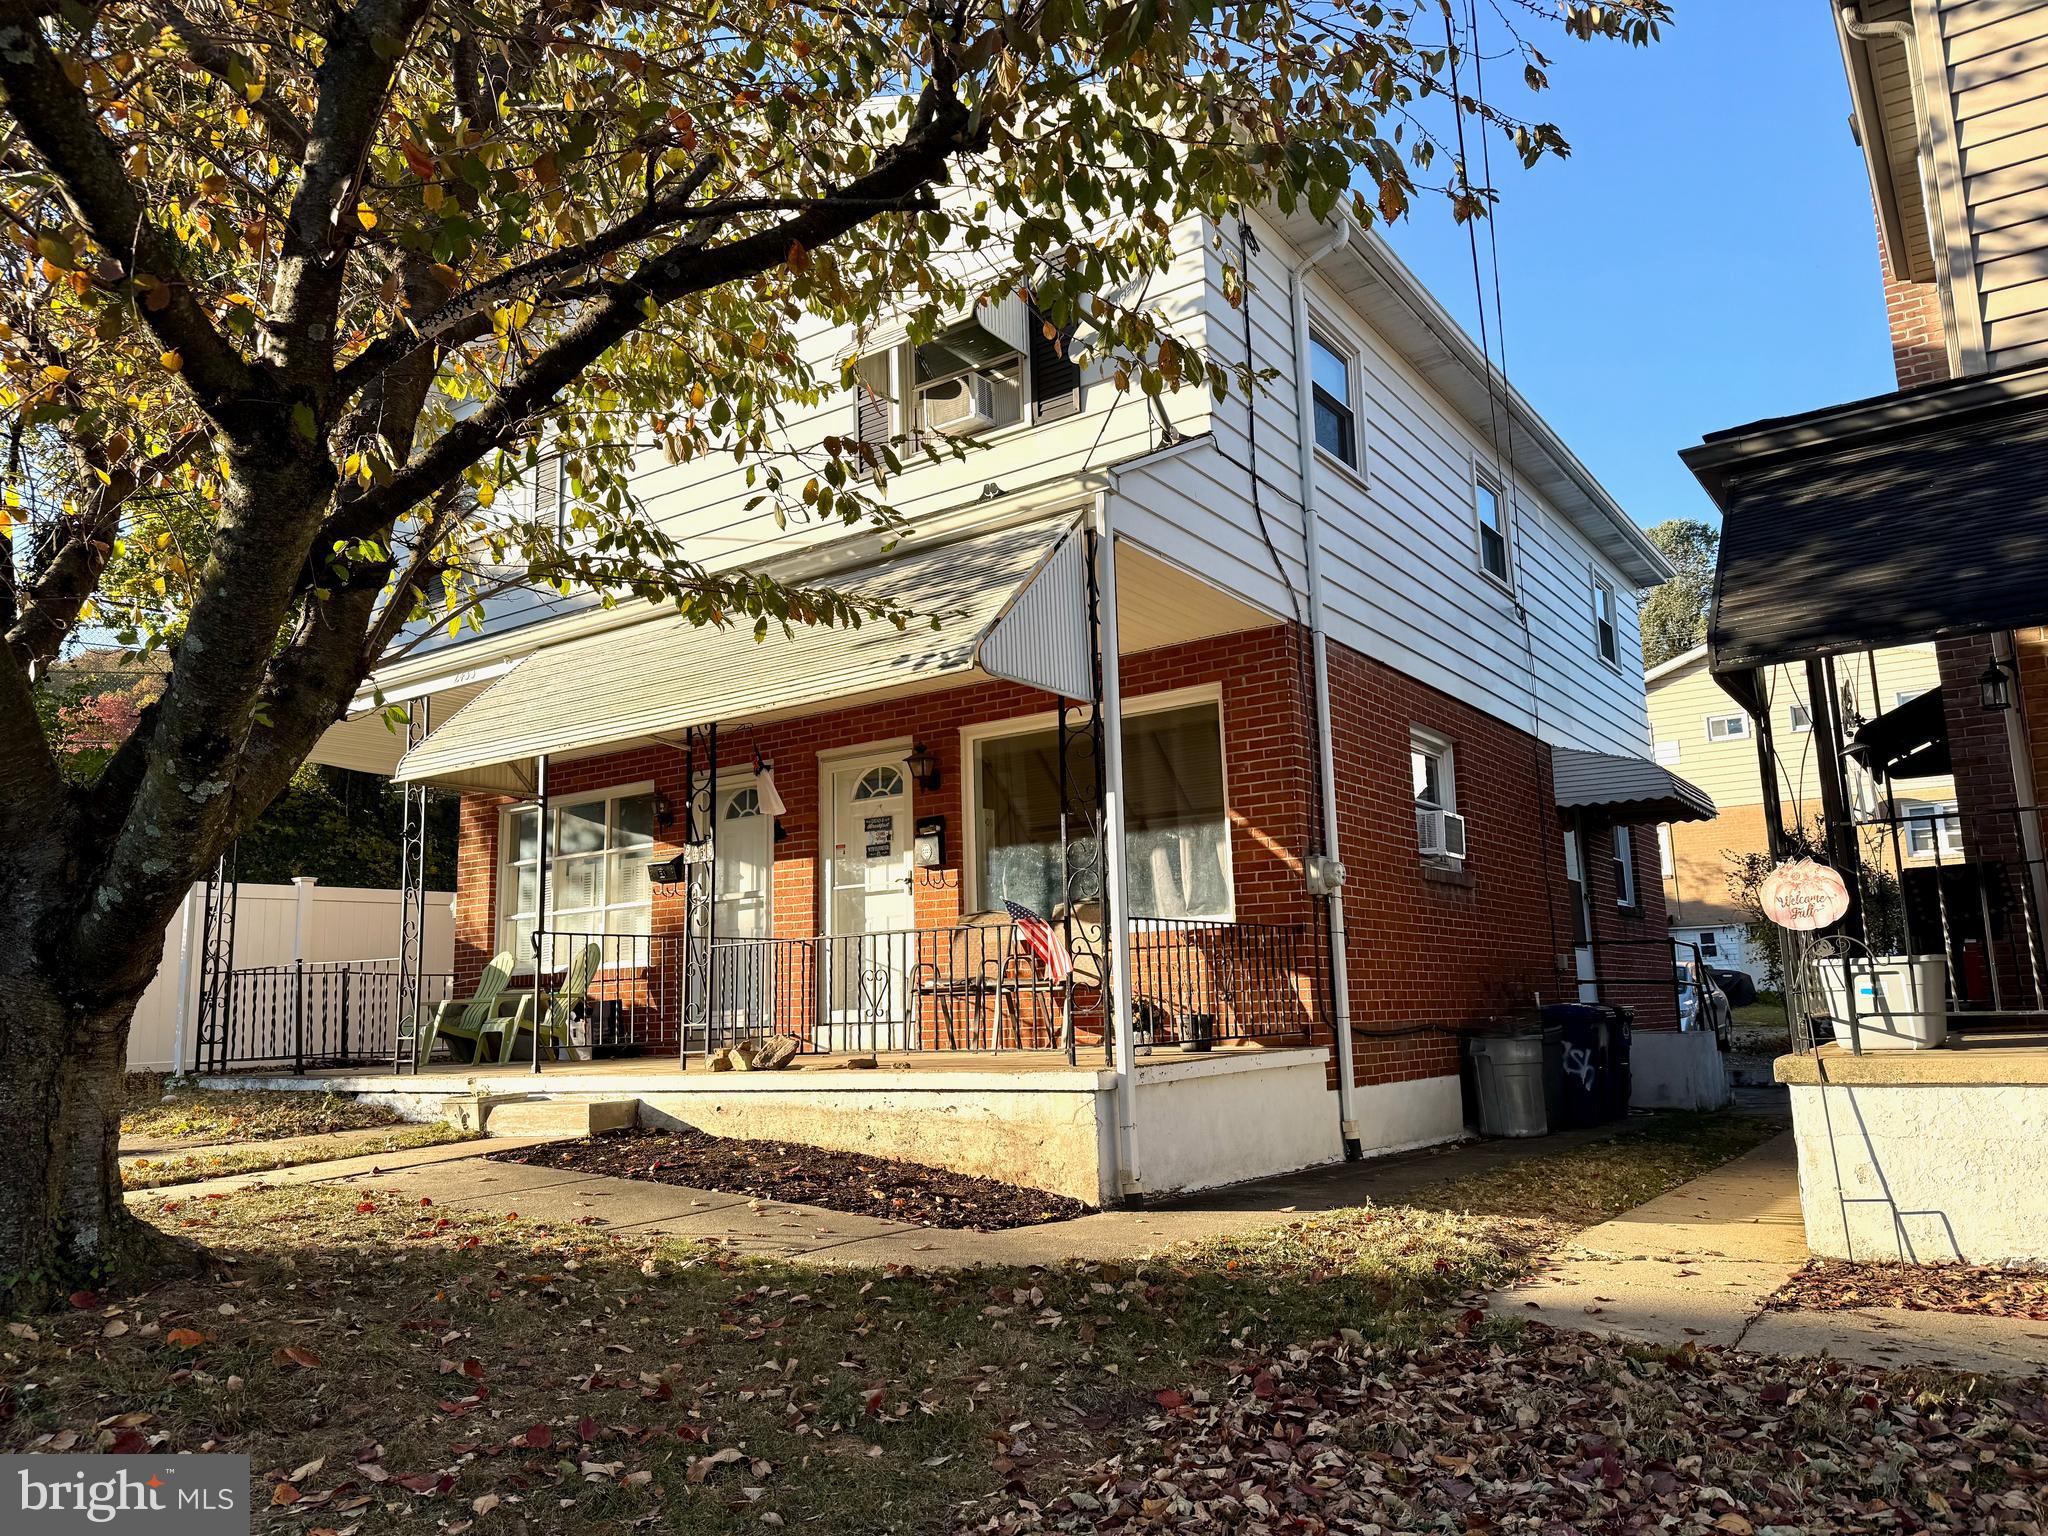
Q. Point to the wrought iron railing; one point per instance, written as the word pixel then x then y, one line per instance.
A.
pixel 311 1014
pixel 974 986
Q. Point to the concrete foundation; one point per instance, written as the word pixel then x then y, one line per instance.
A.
pixel 1925 1173
pixel 1677 1069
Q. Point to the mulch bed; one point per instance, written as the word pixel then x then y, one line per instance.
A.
pixel 801 1175
pixel 1827 1285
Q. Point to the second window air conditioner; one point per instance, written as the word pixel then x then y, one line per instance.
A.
pixel 1439 834
pixel 959 407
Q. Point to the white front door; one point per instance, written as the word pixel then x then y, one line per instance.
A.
pixel 1582 915
pixel 743 987
pixel 870 909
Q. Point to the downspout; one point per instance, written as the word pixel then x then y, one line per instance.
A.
pixel 1326 873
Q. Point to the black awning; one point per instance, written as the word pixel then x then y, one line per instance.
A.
pixel 1910 742
pixel 1907 517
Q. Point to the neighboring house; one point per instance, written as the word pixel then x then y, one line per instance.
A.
pixel 1389 591
pixel 1699 731
pixel 1911 518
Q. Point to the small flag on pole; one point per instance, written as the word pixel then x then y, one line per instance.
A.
pixel 1043 940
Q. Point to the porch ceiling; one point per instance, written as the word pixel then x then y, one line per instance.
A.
pixel 651 680
pixel 366 744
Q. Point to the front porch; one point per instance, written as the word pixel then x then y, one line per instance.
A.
pixel 1027 1117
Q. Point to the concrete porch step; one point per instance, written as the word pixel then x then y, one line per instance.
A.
pixel 558 1117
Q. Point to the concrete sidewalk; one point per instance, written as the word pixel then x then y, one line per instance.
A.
pixel 1698 1265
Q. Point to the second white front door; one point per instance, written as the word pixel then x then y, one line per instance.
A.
pixel 870 906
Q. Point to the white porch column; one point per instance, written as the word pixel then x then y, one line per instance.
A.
pixel 188 934
pixel 1131 1184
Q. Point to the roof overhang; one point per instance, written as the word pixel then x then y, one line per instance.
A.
pixel 1909 742
pixel 1906 517
pixel 1408 316
pixel 1625 791
pixel 1884 114
pixel 1005 603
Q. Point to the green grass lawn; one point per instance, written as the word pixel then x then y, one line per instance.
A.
pixel 214 1160
pixel 393 1367
pixel 198 1117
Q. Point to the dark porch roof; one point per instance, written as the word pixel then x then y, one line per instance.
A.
pixel 1910 742
pixel 1906 517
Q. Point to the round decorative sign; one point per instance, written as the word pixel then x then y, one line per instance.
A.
pixel 1803 895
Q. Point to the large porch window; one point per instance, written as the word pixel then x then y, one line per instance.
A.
pixel 597 876
pixel 1178 838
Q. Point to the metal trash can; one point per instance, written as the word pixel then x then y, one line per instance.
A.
pixel 1510 1074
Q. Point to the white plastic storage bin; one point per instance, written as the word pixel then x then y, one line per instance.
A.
pixel 1900 1002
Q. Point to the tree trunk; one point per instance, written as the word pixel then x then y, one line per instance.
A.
pixel 63 1223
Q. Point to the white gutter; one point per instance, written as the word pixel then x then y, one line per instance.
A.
pixel 1130 1180
pixel 1332 871
pixel 1946 259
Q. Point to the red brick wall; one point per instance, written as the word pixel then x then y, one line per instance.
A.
pixel 1919 339
pixel 1429 951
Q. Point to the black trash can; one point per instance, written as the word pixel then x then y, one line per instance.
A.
pixel 1620 1077
pixel 1590 1034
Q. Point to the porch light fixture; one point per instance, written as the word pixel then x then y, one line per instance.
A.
pixel 924 767
pixel 664 810
pixel 1994 689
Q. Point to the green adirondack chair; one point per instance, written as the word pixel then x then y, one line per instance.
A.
pixel 554 1020
pixel 469 1018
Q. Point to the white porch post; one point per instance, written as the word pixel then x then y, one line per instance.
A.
pixel 1114 884
pixel 188 934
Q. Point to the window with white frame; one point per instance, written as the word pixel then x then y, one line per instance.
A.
pixel 1727 727
pixel 967 382
pixel 1177 834
pixel 1801 718
pixel 1493 531
pixel 1908 695
pixel 1433 769
pixel 597 875
pixel 1624 868
pixel 1933 829
pixel 1710 944
pixel 1336 423
pixel 1606 632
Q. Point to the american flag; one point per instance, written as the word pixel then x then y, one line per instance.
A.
pixel 1043 940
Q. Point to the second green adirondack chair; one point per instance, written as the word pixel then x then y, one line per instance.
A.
pixel 554 1020
pixel 468 1018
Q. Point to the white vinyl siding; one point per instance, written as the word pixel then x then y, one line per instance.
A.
pixel 1402 583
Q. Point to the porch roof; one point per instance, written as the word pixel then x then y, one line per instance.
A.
pixel 1906 517
pixel 1006 603
pixel 1629 791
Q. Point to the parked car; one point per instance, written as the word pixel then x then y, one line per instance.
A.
pixel 1739 985
pixel 1701 1002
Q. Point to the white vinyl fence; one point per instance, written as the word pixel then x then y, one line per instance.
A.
pixel 275 925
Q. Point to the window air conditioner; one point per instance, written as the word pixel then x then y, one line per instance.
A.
pixel 1439 834
pixel 959 407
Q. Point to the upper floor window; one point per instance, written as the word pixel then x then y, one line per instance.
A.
pixel 1727 727
pixel 1908 695
pixel 968 382
pixel 1336 421
pixel 1493 532
pixel 1933 829
pixel 1801 718
pixel 1606 635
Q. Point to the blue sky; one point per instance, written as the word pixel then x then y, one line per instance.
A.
pixel 1706 256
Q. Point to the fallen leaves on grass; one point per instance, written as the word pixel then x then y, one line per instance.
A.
pixel 195 1117
pixel 801 1175
pixel 1561 1435
pixel 1827 1285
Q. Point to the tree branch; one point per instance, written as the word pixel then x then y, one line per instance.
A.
pixel 942 128
pixel 54 117
pixel 220 63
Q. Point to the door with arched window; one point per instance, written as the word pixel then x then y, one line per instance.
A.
pixel 870 909
pixel 742 965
